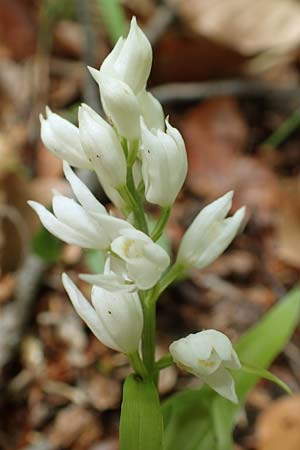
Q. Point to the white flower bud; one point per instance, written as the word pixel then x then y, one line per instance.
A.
pixel 210 233
pixel 62 139
pixel 87 225
pixel 145 261
pixel 115 319
pixel 120 105
pixel 164 164
pixel 151 110
pixel 103 149
pixel 131 59
pixel 207 355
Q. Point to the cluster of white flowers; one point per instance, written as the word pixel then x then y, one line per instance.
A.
pixel 138 157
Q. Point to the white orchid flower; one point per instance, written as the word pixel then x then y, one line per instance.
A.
pixel 145 261
pixel 151 110
pixel 210 233
pixel 130 60
pixel 86 223
pixel 116 319
pixel 62 139
pixel 208 355
pixel 164 164
pixel 104 151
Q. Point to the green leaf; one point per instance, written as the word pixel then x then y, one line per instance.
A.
pixel 46 246
pixel 187 421
pixel 202 420
pixel 267 375
pixel 141 426
pixel 258 347
pixel 114 18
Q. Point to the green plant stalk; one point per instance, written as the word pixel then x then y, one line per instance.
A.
pixel 138 365
pixel 131 204
pixel 148 338
pixel 161 223
pixel 174 273
pixel 164 361
pixel 139 210
pixel 114 18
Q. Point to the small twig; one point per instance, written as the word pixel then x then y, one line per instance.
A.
pixel 158 24
pixel 188 92
pixel 283 132
pixel 90 90
pixel 14 317
pixel 12 214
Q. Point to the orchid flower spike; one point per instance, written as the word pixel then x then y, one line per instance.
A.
pixel 164 164
pixel 62 139
pixel 122 80
pixel 210 233
pixel 86 223
pixel 208 355
pixel 116 319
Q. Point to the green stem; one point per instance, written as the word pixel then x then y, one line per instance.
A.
pixel 138 212
pixel 175 272
pixel 148 338
pixel 139 209
pixel 165 361
pixel 285 129
pixel 161 223
pixel 138 365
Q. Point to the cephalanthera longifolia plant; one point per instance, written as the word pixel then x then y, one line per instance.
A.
pixel 140 157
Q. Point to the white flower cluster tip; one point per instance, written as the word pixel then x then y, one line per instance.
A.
pixel 137 156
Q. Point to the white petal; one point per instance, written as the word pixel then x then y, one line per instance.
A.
pixel 88 314
pixel 103 149
pixel 151 110
pixel 164 164
pixel 121 106
pixel 82 193
pixel 223 383
pixel 204 227
pixel 225 234
pixel 220 342
pixel 73 215
pixel 60 230
pixel 122 315
pixel 111 282
pixel 62 138
pixel 134 61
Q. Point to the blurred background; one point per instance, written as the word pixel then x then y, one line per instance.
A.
pixel 227 73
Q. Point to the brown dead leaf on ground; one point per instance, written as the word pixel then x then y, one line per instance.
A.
pixel 104 392
pixel 76 428
pixel 278 427
pixel 216 135
pixel 17 30
pixel 68 39
pixel 192 58
pixel 288 229
pixel 255 26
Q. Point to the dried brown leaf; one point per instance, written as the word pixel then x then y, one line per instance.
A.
pixel 255 26
pixel 278 427
pixel 76 428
